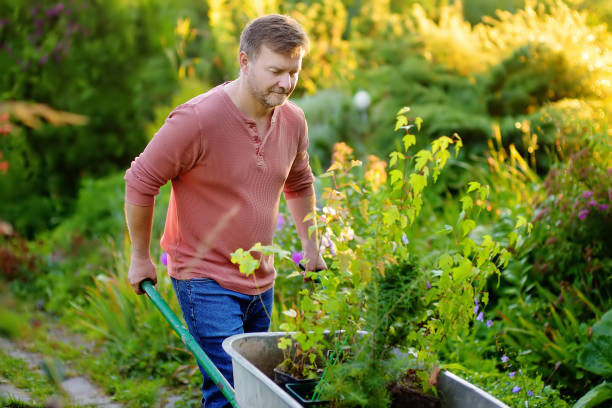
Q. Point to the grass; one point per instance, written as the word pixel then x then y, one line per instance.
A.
pixel 43 334
pixel 24 378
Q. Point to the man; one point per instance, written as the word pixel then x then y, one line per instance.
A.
pixel 229 153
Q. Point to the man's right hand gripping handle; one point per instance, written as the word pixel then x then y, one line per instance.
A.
pixel 141 269
pixel 139 221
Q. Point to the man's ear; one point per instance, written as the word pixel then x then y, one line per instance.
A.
pixel 243 61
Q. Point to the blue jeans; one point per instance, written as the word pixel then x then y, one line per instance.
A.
pixel 212 314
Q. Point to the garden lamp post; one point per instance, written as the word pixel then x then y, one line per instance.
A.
pixel 362 100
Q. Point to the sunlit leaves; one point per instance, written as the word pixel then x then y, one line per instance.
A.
pixel 394 157
pixel 408 140
pixel 417 182
pixel 422 158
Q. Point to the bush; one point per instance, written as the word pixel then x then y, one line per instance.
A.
pixel 101 59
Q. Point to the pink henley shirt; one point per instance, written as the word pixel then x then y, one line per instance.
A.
pixel 226 185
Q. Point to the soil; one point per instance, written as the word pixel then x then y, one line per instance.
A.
pixel 406 393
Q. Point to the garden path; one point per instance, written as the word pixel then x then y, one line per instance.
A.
pixel 80 390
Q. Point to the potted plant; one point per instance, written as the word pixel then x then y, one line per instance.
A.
pixel 409 307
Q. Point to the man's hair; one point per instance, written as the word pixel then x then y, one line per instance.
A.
pixel 282 34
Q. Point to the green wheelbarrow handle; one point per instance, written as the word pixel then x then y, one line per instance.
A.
pixel 192 345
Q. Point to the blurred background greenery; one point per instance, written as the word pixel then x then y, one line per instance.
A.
pixel 526 84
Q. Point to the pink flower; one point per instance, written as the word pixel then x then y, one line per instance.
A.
pixel 583 214
pixel 280 222
pixel 587 194
pixel 297 257
pixel 164 258
pixel 603 207
pixel 592 203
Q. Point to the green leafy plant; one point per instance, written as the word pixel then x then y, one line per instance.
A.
pixel 363 225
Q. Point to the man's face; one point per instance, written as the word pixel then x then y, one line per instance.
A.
pixel 271 77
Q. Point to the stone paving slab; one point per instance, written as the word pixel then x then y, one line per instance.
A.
pixel 80 389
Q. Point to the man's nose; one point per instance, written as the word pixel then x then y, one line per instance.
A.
pixel 285 81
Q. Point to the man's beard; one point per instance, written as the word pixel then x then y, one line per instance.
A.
pixel 270 98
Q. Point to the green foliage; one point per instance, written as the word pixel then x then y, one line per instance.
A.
pixel 595 397
pixel 100 59
pixel 365 217
pixel 24 378
pixel 595 356
pixel 531 77
pixel 136 335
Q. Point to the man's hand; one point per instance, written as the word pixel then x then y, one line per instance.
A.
pixel 141 269
pixel 314 263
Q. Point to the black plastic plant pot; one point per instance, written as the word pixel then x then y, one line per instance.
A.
pixel 303 391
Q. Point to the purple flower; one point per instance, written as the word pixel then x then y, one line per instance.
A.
pixel 476 309
pixel 164 258
pixel 583 214
pixel 405 239
pixel 480 317
pixel 511 374
pixel 516 389
pixel 280 222
pixel 56 10
pixel 428 285
pixel 592 203
pixel 530 393
pixel 587 194
pixel 504 358
pixel 297 257
pixel 603 207
pixel 489 323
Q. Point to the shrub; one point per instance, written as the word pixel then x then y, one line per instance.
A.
pixel 99 59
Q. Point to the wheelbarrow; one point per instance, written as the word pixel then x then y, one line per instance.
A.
pixel 192 345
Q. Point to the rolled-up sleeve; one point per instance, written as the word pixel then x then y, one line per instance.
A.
pixel 174 149
pixel 300 178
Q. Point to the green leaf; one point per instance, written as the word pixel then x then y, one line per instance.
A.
pixel 395 156
pixel 467 226
pixel 604 326
pixel 422 158
pixel 458 144
pixel 522 221
pixel 401 121
pixel 418 121
pixel 391 215
pixel 447 229
pixel 473 185
pixel 409 140
pixel 468 203
pixel 403 110
pixel 396 176
pixel 445 261
pixel 596 356
pixel 462 271
pixel 443 156
pixel 418 183
pixel 595 396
